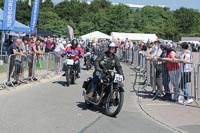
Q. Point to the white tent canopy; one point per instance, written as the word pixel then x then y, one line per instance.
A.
pixel 95 35
pixel 134 36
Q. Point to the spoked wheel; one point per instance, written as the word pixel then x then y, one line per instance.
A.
pixel 68 77
pixel 88 104
pixel 73 76
pixel 88 66
pixel 114 103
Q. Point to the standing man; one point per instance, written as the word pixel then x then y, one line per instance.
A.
pixel 48 44
pixel 15 60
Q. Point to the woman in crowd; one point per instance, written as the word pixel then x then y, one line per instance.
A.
pixel 173 68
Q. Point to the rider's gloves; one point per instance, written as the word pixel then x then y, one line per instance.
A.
pixel 63 54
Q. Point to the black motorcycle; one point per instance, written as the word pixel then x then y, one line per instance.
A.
pixel 109 93
pixel 89 60
pixel 69 66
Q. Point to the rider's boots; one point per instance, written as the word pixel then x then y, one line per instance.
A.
pixel 77 75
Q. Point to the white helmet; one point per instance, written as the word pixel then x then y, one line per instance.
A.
pixel 112 44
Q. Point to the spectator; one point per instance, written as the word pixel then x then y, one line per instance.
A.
pixel 165 76
pixel 142 46
pixel 16 60
pixel 39 52
pixel 58 50
pixel 9 41
pixel 174 70
pixel 186 70
pixel 23 48
pixel 48 44
pixel 154 51
pixel 30 58
pixel 34 49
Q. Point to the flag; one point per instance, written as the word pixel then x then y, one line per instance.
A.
pixel 70 31
pixel 29 2
pixel 34 15
pixel 9 14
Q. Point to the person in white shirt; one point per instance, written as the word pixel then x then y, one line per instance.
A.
pixel 186 72
pixel 58 50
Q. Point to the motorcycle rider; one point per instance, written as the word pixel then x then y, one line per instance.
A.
pixel 89 48
pixel 75 50
pixel 111 61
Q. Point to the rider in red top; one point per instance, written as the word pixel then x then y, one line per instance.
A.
pixel 75 50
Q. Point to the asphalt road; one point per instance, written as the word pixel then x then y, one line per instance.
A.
pixel 50 107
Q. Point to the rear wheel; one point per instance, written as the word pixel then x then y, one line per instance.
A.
pixel 114 103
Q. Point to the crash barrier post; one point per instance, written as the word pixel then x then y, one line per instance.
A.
pixel 3 70
pixel 155 78
pixel 197 82
pixel 140 73
pixel 135 58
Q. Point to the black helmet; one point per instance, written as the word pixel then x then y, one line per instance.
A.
pixel 75 42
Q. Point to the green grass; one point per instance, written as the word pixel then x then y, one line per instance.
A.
pixel 3 68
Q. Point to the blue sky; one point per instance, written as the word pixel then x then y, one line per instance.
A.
pixel 172 4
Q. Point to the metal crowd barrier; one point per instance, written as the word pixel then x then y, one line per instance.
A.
pixel 197 81
pixel 3 70
pixel 138 59
pixel 24 69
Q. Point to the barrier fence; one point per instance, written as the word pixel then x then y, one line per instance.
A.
pixel 16 69
pixel 3 70
pixel 159 79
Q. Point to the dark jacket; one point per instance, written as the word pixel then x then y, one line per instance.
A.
pixel 111 62
pixel 90 49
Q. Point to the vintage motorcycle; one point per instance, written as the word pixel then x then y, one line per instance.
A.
pixel 69 66
pixel 89 60
pixel 109 93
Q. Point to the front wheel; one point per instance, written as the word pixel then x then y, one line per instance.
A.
pixel 67 74
pixel 88 104
pixel 88 66
pixel 114 103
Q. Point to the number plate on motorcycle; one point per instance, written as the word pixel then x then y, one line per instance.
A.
pixel 70 61
pixel 118 78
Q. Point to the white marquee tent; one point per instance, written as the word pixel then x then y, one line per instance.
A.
pixel 134 36
pixel 95 35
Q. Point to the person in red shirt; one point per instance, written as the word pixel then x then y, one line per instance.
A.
pixel 77 51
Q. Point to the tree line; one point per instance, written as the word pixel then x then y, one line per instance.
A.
pixel 103 16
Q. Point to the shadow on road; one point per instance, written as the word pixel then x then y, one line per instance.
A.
pixel 63 83
pixel 93 108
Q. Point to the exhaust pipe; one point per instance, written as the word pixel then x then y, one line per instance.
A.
pixel 87 98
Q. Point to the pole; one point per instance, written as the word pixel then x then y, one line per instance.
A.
pixel 2 41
